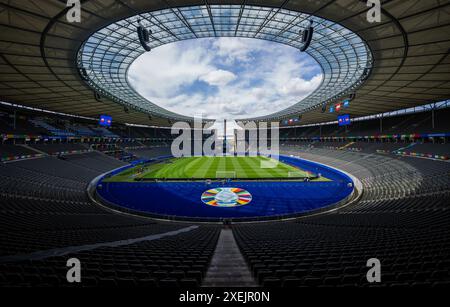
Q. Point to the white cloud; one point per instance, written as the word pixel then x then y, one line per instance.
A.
pixel 244 77
pixel 167 69
pixel 300 87
pixel 218 77
pixel 232 49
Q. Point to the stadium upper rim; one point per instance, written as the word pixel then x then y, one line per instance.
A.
pixel 38 51
pixel 106 56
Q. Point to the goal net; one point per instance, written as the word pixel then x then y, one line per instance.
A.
pixel 225 174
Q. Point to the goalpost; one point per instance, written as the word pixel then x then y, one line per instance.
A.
pixel 225 174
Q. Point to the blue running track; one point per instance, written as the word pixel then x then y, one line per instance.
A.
pixel 183 199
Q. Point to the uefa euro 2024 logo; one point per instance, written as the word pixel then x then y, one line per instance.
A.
pixel 226 197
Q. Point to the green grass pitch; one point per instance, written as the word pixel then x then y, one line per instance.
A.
pixel 212 168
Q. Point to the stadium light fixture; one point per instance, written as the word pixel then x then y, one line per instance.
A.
pixel 144 37
pixel 84 74
pixel 97 96
pixel 365 75
pixel 307 36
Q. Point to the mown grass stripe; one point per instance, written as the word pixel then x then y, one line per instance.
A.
pixel 193 165
pixel 204 168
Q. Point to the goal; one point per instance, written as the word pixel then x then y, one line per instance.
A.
pixel 225 174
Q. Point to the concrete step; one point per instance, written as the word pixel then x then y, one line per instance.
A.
pixel 228 267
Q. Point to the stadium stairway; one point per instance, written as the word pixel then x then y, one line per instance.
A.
pixel 33 149
pixel 228 267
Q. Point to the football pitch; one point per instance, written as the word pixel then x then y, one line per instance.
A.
pixel 213 168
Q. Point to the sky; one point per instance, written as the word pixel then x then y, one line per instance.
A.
pixel 225 78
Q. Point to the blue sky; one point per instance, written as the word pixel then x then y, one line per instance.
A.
pixel 228 78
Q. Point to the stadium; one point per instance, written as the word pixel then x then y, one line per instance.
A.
pixel 224 144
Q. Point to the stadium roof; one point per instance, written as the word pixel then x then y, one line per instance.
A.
pixel 40 61
pixel 108 53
